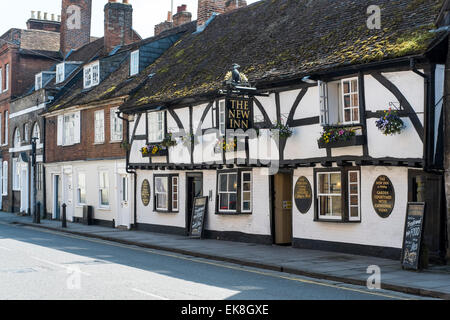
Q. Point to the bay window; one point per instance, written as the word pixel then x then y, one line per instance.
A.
pixel 338 194
pixel 234 192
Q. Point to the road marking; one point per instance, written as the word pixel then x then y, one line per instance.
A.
pixel 59 265
pixel 149 294
pixel 240 268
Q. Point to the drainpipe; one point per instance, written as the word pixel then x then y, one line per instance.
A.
pixel 428 117
pixel 133 172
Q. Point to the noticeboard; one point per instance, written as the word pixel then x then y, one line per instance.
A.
pixel 412 237
pixel 199 211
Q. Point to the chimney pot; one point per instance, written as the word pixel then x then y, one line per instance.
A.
pixel 45 15
pixel 53 17
pixel 33 14
pixel 39 15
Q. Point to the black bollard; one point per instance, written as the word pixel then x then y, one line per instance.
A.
pixel 38 212
pixel 64 222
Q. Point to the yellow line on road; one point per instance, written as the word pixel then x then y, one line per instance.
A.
pixel 179 256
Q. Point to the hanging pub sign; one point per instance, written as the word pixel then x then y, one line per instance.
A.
pixel 303 195
pixel 239 113
pixel 145 192
pixel 412 237
pixel 383 196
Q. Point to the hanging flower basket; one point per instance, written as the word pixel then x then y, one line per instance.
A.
pixel 390 123
pixel 169 141
pixel 154 150
pixel 226 145
pixel 188 139
pixel 284 131
pixel 339 137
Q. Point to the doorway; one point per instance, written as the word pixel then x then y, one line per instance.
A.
pixel 24 188
pixel 282 208
pixel 124 203
pixel 68 196
pixel 194 188
pixel 56 201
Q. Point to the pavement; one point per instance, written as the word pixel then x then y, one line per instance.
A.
pixel 346 268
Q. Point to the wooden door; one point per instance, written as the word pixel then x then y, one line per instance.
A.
pixel 282 208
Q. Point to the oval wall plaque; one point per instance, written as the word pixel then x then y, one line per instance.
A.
pixel 303 195
pixel 145 192
pixel 383 196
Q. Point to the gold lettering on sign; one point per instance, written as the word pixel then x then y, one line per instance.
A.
pixel 239 114
pixel 383 196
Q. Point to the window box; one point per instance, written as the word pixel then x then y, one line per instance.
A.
pixel 154 150
pixel 352 141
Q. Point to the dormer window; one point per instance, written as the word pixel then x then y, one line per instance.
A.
pixel 38 82
pixel 60 73
pixel 92 75
pixel 134 63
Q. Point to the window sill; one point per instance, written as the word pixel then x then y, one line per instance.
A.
pixel 98 143
pixel 337 221
pixel 104 208
pixel 353 141
pixel 221 213
pixel 115 141
pixel 166 212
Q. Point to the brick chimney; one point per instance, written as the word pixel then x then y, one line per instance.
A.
pixel 231 5
pixel 49 23
pixel 182 16
pixel 75 24
pixel 166 25
pixel 206 8
pixel 118 24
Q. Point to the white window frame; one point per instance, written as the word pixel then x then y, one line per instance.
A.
pixel 6 77
pixel 81 185
pixel 350 94
pixel 124 181
pixel 103 184
pixel 5 178
pixel 329 194
pixel 36 133
pixel 6 127
pixel 60 73
pixel 99 126
pixel 250 191
pixel 227 192
pixel 91 75
pixel 116 125
pixel 175 191
pixel 69 129
pixel 38 81
pixel 1 80
pixel 166 193
pixel 134 63
pixel 156 126
pixel 350 206
pixel 323 96
pixel 1 128
pixel 16 174
pixel 222 118
pixel 17 141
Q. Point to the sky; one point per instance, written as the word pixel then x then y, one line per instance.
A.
pixel 146 13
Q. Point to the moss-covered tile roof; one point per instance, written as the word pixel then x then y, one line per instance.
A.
pixel 278 39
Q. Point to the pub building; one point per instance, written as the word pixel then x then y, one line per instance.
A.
pixel 358 113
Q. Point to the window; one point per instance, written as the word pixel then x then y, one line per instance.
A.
pixel 174 193
pixel 116 125
pixel 36 133
pixel 17 141
pixel 104 188
pixel 228 192
pixel 246 199
pixel 166 193
pixel 99 126
pixel 91 75
pixel 329 195
pixel 6 127
pixel 1 124
pixel 38 81
pixel 222 126
pixel 60 73
pixel 81 190
pixel 6 77
pixel 5 178
pixel 339 102
pixel 156 126
pixel 124 189
pixel 134 63
pixel 16 175
pixel 26 131
pixel 161 193
pixel 68 129
pixel 1 80
pixel 338 194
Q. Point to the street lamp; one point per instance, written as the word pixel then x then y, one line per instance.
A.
pixel 37 215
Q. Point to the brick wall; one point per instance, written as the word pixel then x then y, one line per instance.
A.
pixel 87 149
pixel 118 25
pixel 74 38
pixel 207 7
pixel 182 16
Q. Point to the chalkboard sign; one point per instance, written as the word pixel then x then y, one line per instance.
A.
pixel 412 237
pixel 199 212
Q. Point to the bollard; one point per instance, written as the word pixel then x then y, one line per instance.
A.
pixel 64 222
pixel 38 212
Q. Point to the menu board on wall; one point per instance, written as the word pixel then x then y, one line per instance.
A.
pixel 412 237
pixel 199 212
pixel 145 192
pixel 383 196
pixel 303 195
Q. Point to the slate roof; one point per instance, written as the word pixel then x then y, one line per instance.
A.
pixel 118 83
pixel 274 40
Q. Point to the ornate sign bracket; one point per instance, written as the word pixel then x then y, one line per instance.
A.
pixel 236 84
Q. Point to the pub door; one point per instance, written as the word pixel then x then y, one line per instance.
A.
pixel 194 189
pixel 282 209
pixel 429 188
